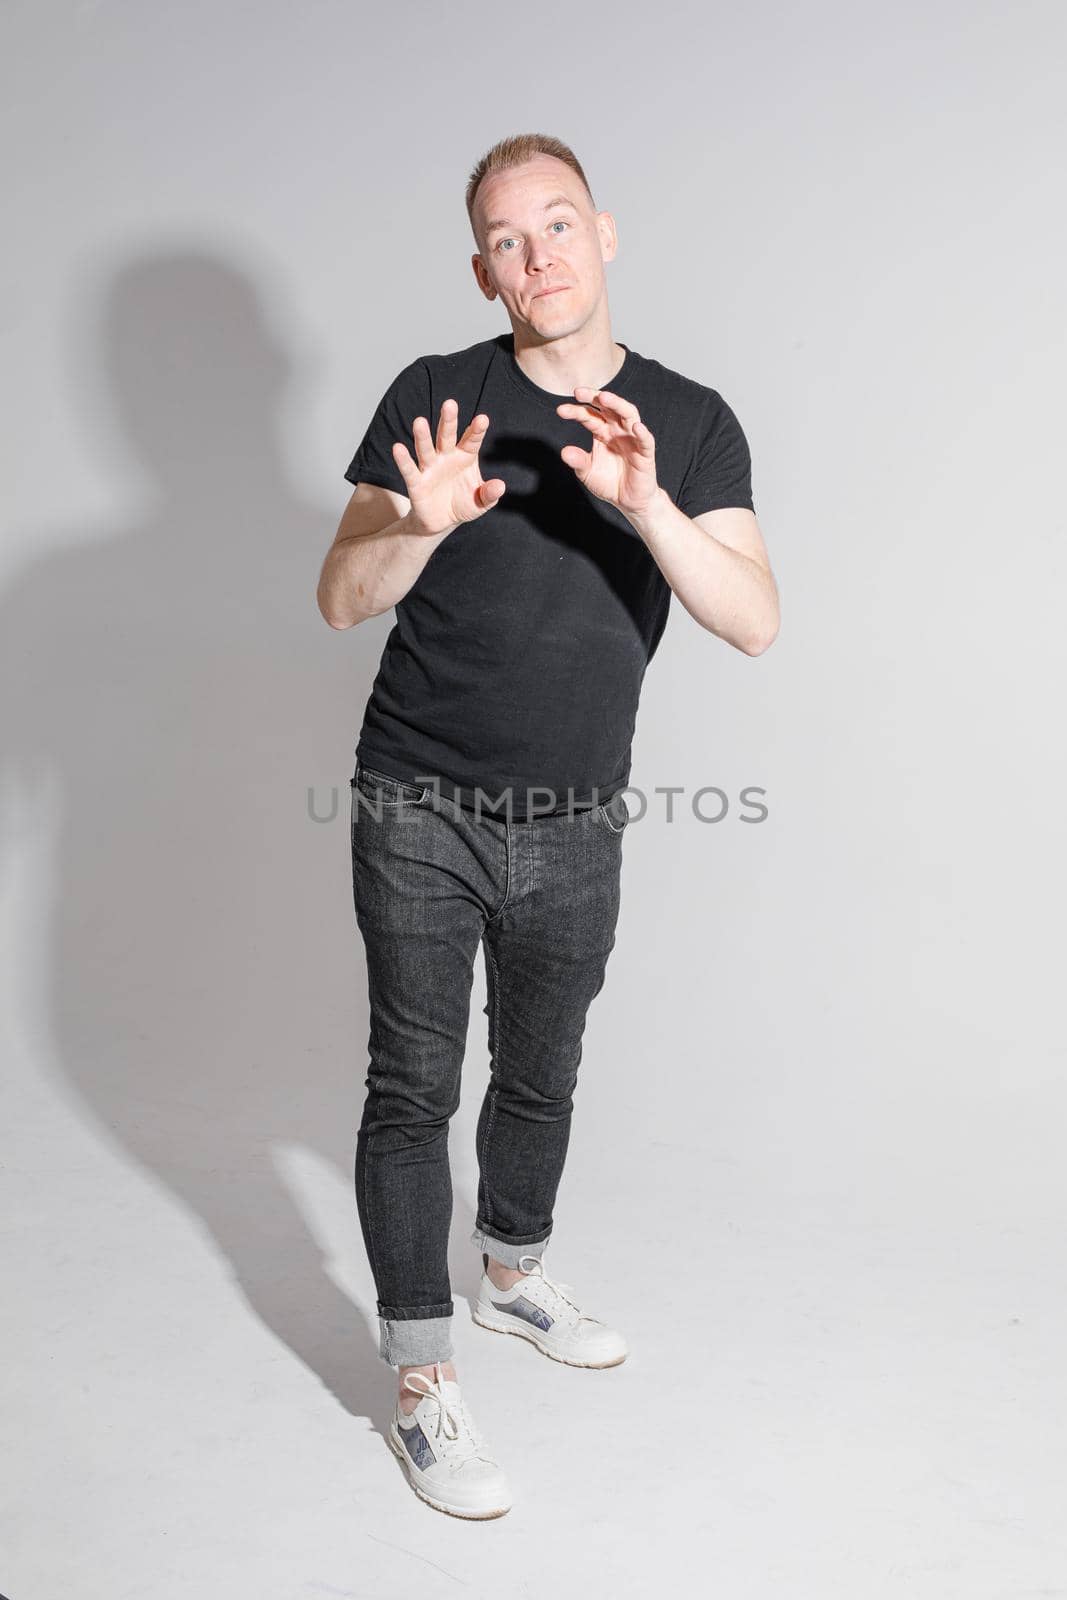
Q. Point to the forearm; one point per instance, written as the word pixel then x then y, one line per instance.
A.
pixel 367 574
pixel 728 593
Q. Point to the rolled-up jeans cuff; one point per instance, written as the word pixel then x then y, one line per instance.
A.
pixel 506 1250
pixel 415 1341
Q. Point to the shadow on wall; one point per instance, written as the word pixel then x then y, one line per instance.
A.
pixel 170 694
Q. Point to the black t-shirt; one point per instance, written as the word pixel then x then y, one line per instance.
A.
pixel 517 657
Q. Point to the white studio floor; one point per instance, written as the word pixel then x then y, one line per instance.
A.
pixel 826 1404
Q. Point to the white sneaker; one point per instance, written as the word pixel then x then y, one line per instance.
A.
pixel 448 1462
pixel 545 1312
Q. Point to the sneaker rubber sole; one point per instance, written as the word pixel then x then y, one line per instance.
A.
pixel 523 1330
pixel 468 1513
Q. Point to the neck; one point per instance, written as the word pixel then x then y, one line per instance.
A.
pixel 588 356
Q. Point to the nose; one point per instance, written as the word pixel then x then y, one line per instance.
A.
pixel 540 256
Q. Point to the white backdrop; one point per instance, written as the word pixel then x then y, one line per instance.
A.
pixel 815 1170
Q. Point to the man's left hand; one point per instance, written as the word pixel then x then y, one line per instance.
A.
pixel 621 465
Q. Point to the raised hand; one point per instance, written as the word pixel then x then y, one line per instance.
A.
pixel 621 465
pixel 445 486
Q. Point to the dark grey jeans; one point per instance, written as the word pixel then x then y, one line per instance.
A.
pixel 432 881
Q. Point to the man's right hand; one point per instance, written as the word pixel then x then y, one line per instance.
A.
pixel 445 486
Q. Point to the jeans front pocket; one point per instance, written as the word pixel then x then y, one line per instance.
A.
pixel 386 791
pixel 614 814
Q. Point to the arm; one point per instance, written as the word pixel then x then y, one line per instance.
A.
pixel 377 554
pixel 386 538
pixel 716 563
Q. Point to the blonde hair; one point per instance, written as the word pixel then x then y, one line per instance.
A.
pixel 514 152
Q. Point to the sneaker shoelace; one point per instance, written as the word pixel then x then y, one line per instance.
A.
pixel 564 1290
pixel 453 1418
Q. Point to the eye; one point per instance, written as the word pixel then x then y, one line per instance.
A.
pixel 498 248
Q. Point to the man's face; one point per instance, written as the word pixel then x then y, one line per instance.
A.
pixel 537 229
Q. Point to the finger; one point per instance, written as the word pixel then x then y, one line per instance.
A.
pixel 405 465
pixel 446 426
pixel 624 409
pixel 577 458
pixel 644 439
pixel 474 433
pixel 488 493
pixel 600 427
pixel 423 443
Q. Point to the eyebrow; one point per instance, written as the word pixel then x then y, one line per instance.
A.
pixel 503 222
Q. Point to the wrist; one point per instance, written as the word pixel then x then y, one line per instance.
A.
pixel 414 525
pixel 649 518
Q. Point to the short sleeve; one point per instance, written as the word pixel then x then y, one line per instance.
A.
pixel 720 471
pixel 407 397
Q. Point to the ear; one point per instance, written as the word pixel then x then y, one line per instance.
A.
pixel 609 239
pixel 482 277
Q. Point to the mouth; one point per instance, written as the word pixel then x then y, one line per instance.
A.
pixel 556 289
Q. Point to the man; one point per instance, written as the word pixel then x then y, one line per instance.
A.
pixel 530 547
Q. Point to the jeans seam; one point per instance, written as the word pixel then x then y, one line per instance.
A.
pixel 507 873
pixel 495 1008
pixel 366 1208
pixel 374 1089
